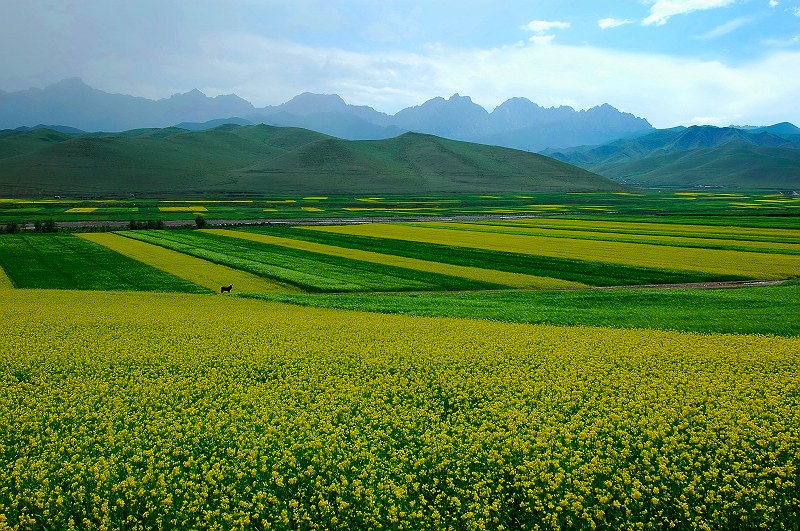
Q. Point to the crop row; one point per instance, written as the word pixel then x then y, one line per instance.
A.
pixel 588 272
pixel 307 270
pixel 754 310
pixel 723 262
pixel 136 413
pixel 63 261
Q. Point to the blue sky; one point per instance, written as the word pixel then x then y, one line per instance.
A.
pixel 674 62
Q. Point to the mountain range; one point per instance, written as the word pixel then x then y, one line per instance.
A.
pixel 234 160
pixel 684 157
pixel 517 123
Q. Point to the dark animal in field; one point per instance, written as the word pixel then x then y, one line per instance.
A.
pixel 224 289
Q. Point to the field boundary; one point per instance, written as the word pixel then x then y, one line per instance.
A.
pixel 5 281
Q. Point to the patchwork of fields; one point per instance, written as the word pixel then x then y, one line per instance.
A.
pixel 188 409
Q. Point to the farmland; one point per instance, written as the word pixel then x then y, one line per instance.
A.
pixel 496 374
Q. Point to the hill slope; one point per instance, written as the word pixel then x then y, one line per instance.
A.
pixel 262 159
pixel 697 156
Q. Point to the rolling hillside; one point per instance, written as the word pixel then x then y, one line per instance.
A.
pixel 260 159
pixel 767 157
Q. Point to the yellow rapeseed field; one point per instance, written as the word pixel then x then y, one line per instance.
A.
pixel 201 272
pixel 164 411
pixel 746 264
pixel 80 210
pixel 517 280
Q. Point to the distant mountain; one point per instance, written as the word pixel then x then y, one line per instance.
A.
pixel 517 123
pixel 73 103
pixel 757 157
pixel 262 159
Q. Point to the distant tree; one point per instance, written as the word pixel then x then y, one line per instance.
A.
pixel 50 226
pixel 134 225
pixel 37 226
pixel 200 221
pixel 13 227
pixel 155 224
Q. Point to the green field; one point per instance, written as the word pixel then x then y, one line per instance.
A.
pixel 63 261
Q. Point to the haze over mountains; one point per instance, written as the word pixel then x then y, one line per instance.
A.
pixel 517 123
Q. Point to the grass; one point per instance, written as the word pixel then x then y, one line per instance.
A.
pixel 64 261
pixel 201 272
pixel 751 310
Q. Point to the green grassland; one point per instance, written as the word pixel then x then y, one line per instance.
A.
pixel 751 310
pixel 260 159
pixel 63 261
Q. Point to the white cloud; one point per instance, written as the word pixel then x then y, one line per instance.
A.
pixel 542 40
pixel 724 29
pixel 607 23
pixel 543 26
pixel 796 11
pixel 774 3
pixel 662 10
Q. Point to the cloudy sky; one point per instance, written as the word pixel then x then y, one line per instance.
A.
pixel 673 62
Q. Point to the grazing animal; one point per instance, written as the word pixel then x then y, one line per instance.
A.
pixel 223 289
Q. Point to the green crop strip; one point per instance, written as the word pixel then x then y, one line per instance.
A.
pixel 309 271
pixel 63 261
pixel 584 271
pixel 751 310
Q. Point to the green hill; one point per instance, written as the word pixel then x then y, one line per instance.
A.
pixel 730 166
pixel 260 159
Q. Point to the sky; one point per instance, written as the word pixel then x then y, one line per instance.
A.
pixel 673 62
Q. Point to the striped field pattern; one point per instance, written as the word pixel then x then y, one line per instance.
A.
pixel 5 282
pixel 201 272
pixel 756 265
pixel 516 280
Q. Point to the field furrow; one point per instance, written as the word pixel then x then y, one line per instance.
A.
pixel 201 272
pixel 745 264
pixel 516 280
